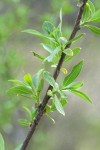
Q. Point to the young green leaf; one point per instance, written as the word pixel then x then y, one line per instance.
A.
pixel 52 55
pixel 36 77
pixel 38 56
pixel 34 112
pixel 60 24
pixel 82 95
pixel 92 8
pixel 18 82
pixel 50 118
pixel 24 122
pixel 47 47
pixel 20 90
pixel 2 147
pixel 48 27
pixel 96 17
pixel 28 79
pixel 76 38
pixel 40 86
pixel 68 52
pixel 74 85
pixel 29 112
pixel 58 105
pixel 86 13
pixel 47 76
pixel 73 75
pixel 34 32
pixel 63 40
pixel 94 29
pixel 76 51
pixel 37 33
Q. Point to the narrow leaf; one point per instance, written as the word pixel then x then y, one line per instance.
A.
pixel 47 76
pixel 74 85
pixel 76 38
pixel 20 90
pixel 2 147
pixel 38 56
pixel 50 118
pixel 48 27
pixel 76 51
pixel 86 13
pixel 40 86
pixel 47 47
pixel 24 122
pixel 96 16
pixel 29 112
pixel 94 29
pixel 68 52
pixel 18 82
pixel 73 75
pixel 52 55
pixel 58 105
pixel 82 95
pixel 92 8
pixel 36 77
pixel 28 79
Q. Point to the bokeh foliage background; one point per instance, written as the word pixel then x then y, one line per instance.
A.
pixel 80 128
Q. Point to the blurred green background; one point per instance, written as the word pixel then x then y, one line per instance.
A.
pixel 80 128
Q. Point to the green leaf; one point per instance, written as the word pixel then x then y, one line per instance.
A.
pixel 73 75
pixel 20 90
pixel 63 101
pixel 76 51
pixel 29 112
pixel 50 118
pixel 60 24
pixel 18 147
pixel 47 47
pixel 28 79
pixel 18 82
pixel 40 86
pixel 36 77
pixel 68 52
pixel 47 76
pixel 86 13
pixel 58 105
pixel 38 56
pixel 74 85
pixel 48 108
pixel 34 32
pixel 37 33
pixel 48 27
pixel 24 122
pixel 82 95
pixel 92 8
pixel 34 112
pixel 2 147
pixel 76 38
pixel 63 40
pixel 53 55
pixel 94 29
pixel 96 17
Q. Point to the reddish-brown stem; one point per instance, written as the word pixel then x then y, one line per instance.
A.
pixel 56 73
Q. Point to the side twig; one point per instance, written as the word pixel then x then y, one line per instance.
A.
pixel 56 73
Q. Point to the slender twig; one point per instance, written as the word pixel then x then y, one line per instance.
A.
pixel 56 73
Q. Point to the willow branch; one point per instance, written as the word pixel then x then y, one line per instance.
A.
pixel 56 73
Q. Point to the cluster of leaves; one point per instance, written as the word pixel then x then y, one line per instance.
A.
pixel 55 45
pixel 90 15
